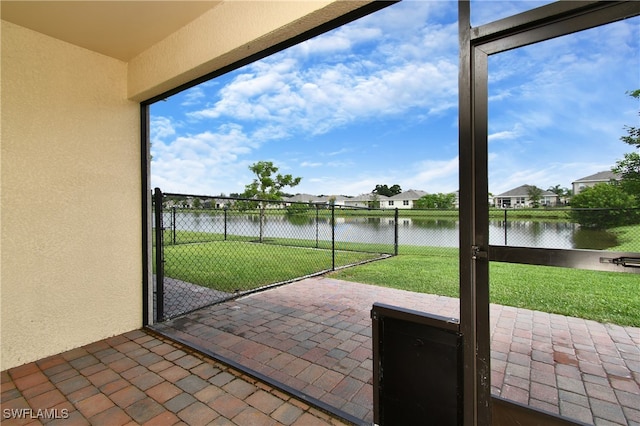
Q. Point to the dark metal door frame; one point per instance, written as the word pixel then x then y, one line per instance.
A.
pixel 476 44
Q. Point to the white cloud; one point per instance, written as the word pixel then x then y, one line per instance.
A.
pixel 548 103
pixel 310 164
pixel 515 133
pixel 161 128
pixel 318 100
pixel 202 161
pixel 193 96
pixel 342 164
pixel 433 176
pixel 338 152
pixel 341 40
pixel 301 96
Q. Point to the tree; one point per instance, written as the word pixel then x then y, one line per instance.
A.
pixel 633 133
pixel 561 192
pixel 435 201
pixel 386 191
pixel 265 187
pixel 375 201
pixel 602 206
pixel 629 167
pixel 629 170
pixel 535 194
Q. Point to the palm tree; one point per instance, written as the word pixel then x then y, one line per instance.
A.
pixel 559 191
pixel 535 194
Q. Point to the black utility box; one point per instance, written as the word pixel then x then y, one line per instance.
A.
pixel 417 368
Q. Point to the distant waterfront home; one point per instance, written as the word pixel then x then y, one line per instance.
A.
pixel 600 177
pixel 366 200
pixel 405 199
pixel 519 197
pixel 338 200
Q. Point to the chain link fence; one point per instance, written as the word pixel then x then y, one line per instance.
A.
pixel 208 249
pixel 566 228
pixel 216 248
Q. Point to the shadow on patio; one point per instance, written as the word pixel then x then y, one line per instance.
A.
pixel 314 337
pixel 138 378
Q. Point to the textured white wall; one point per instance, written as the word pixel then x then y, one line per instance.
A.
pixel 70 200
pixel 71 237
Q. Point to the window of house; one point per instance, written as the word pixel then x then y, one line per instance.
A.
pixel 405 202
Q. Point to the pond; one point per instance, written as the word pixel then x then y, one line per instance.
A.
pixel 381 230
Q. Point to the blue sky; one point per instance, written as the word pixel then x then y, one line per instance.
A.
pixel 375 102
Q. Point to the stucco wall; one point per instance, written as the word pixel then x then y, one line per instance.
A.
pixel 70 174
pixel 70 225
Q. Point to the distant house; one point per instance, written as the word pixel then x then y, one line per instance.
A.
pixel 519 197
pixel 216 203
pixel 366 200
pixel 405 200
pixel 303 198
pixel 600 177
pixel 337 200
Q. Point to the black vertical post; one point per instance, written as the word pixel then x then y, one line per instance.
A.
pixel 474 221
pixel 173 225
pixel 225 222
pixel 147 218
pixel 157 197
pixel 505 227
pixel 395 234
pixel 333 237
pixel 317 226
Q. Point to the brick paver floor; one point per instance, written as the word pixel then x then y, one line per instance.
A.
pixel 315 336
pixel 140 379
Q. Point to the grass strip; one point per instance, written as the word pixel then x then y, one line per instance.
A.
pixel 606 297
pixel 628 238
pixel 234 265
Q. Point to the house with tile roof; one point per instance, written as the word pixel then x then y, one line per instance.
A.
pixel 591 180
pixel 519 198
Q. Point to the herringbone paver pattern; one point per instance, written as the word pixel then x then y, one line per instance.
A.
pixel 315 336
pixel 141 379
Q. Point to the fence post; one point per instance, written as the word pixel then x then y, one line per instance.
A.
pixel 505 227
pixel 395 235
pixel 317 225
pixel 225 208
pixel 173 225
pixel 157 198
pixel 333 237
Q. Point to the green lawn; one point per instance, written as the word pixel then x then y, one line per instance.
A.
pixel 237 265
pixel 231 265
pixel 606 297
pixel 628 238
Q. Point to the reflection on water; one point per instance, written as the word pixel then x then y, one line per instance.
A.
pixel 411 231
pixel 594 239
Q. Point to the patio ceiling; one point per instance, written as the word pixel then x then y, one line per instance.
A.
pixel 119 29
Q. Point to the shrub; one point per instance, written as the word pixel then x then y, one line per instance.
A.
pixel 603 206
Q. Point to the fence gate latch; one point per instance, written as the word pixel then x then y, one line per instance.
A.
pixel 628 262
pixel 476 253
